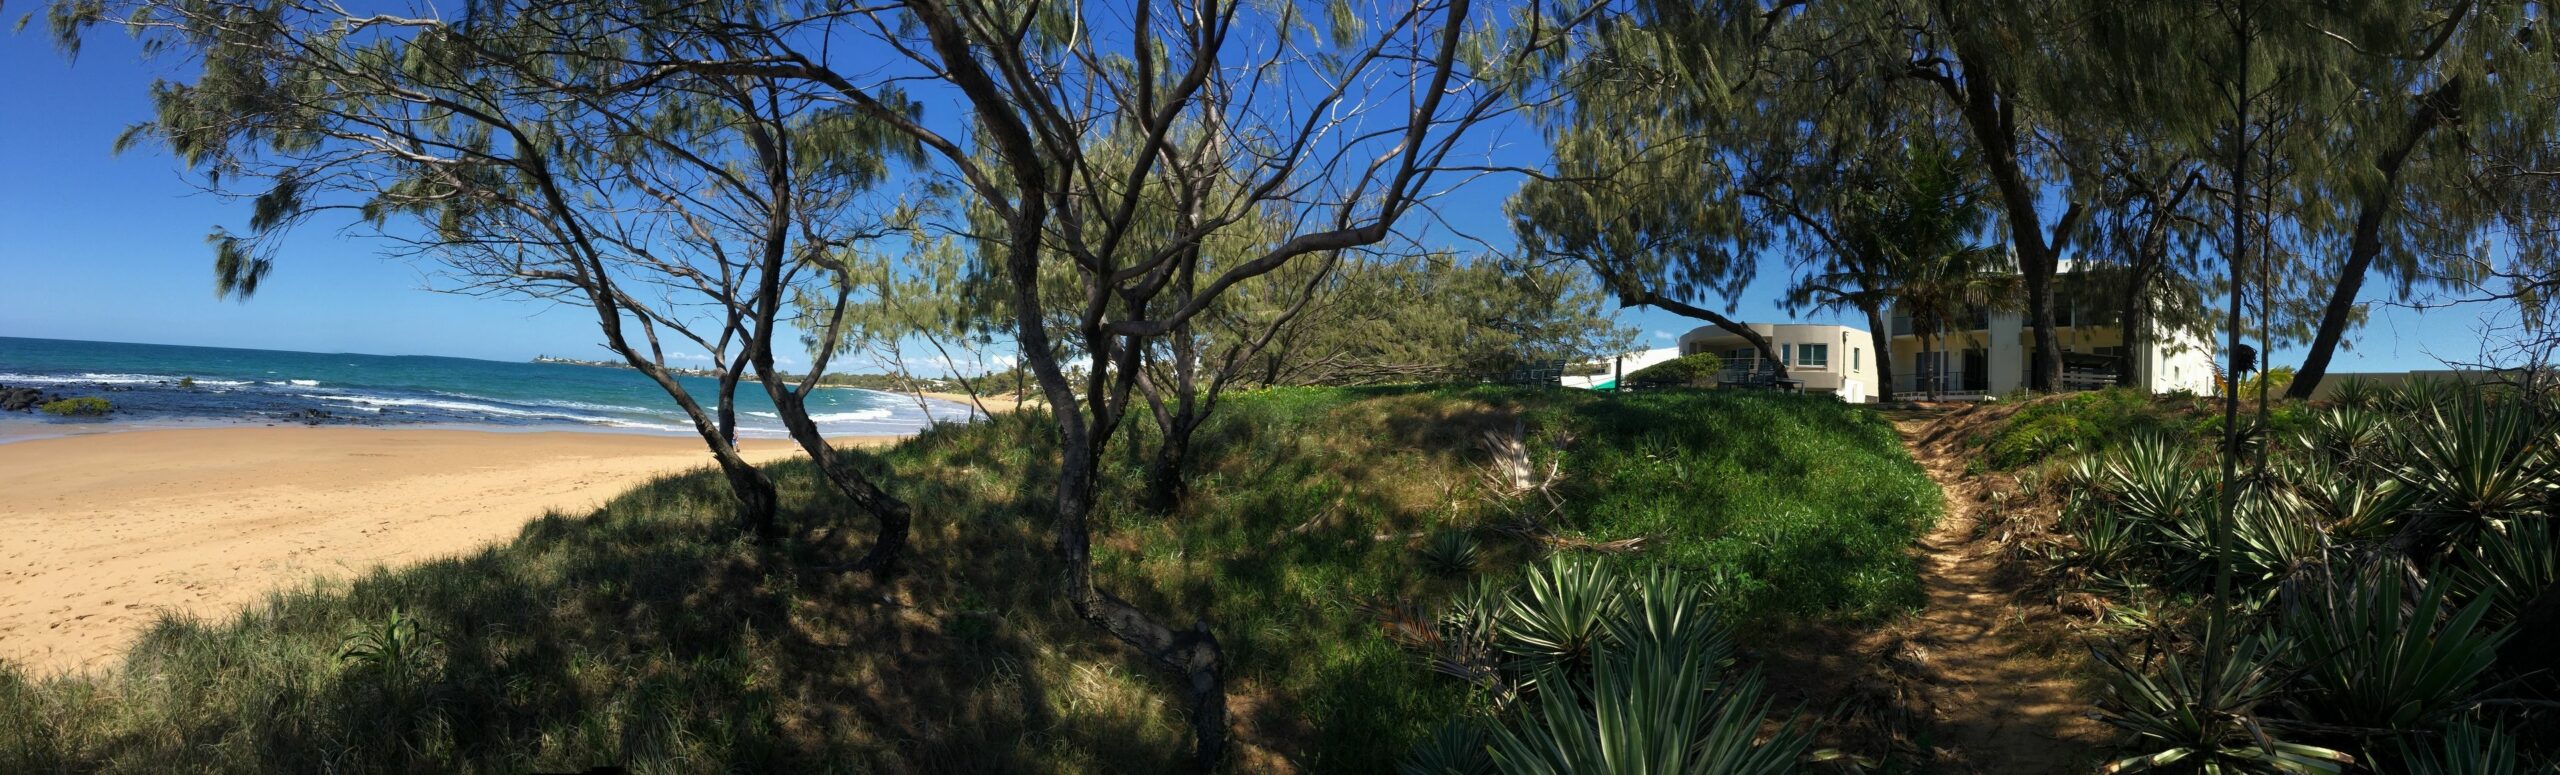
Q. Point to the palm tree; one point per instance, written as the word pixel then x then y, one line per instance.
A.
pixel 1926 226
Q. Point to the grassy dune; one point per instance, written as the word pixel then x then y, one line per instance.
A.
pixel 646 635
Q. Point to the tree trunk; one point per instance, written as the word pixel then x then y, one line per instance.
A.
pixel 1881 340
pixel 2436 108
pixel 757 502
pixel 2342 303
pixel 1928 373
pixel 1166 485
pixel 1990 116
pixel 2045 374
pixel 728 417
pixel 2134 319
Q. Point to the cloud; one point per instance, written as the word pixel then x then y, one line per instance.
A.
pixel 685 356
pixel 1663 335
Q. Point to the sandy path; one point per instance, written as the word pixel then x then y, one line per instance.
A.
pixel 1993 703
pixel 98 532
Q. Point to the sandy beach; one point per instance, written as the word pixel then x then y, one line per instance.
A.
pixel 100 531
pixel 999 402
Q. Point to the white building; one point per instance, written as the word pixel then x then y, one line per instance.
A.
pixel 1990 353
pixel 1828 359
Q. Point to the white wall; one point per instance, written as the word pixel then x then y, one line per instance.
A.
pixel 2178 360
pixel 1633 361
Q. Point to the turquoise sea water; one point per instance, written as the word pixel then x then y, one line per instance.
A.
pixel 271 386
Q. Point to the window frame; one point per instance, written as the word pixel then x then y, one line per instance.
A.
pixel 1802 350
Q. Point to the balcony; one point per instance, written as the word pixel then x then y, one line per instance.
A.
pixel 1974 320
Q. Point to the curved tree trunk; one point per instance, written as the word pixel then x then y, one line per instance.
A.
pixel 1647 298
pixel 892 515
pixel 2436 108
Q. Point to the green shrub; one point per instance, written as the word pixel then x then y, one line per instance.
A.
pixel 84 406
pixel 2087 423
pixel 1685 371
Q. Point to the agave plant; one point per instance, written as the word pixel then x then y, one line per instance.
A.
pixel 1560 613
pixel 2198 713
pixel 2476 461
pixel 2110 545
pixel 2356 393
pixel 1665 606
pixel 2511 564
pixel 2377 658
pixel 1649 708
pixel 2348 436
pixel 2422 394
pixel 2357 507
pixel 2274 537
pixel 1456 748
pixel 1468 628
pixel 2466 749
pixel 1450 552
pixel 2150 480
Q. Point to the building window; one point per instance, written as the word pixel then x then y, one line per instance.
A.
pixel 1813 356
pixel 1856 359
pixel 1741 356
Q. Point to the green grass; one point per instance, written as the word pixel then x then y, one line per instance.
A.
pixel 1791 504
pixel 647 635
pixel 2101 421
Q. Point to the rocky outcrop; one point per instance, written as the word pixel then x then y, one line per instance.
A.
pixel 24 399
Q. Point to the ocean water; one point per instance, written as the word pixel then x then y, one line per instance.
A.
pixel 274 386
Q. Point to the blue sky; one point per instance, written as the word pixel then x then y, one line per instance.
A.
pixel 105 247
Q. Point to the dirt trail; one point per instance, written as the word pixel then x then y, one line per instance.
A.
pixel 1994 697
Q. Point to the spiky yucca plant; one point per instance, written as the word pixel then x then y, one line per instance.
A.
pixel 1450 552
pixel 1560 613
pixel 2474 461
pixel 2466 749
pixel 2374 657
pixel 1630 674
pixel 2198 713
pixel 1658 699
pixel 2357 393
pixel 2509 565
pixel 1457 748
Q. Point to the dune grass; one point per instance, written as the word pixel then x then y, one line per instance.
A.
pixel 646 635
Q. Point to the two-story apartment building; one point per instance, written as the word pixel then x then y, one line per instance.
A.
pixel 1827 359
pixel 1990 353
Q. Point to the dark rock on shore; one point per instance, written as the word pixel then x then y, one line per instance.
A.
pixel 24 399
